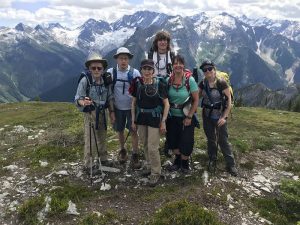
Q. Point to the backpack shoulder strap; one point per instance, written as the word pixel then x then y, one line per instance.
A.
pixel 207 91
pixel 89 80
pixel 172 55
pixel 187 74
pixel 130 74
pixel 150 53
pixel 114 72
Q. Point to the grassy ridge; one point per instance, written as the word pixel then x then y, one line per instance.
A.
pixel 250 130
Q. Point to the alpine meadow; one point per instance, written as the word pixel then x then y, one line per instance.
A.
pixel 42 179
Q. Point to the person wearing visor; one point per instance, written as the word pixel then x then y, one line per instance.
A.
pixel 216 105
pixel 182 88
pixel 123 74
pixel 92 97
pixel 150 107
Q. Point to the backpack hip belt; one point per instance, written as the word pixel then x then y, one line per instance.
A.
pixel 156 112
pixel 176 106
pixel 216 105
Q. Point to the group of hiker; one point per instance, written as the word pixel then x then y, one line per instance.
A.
pixel 161 98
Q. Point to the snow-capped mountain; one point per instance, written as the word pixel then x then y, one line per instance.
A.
pixel 289 29
pixel 251 51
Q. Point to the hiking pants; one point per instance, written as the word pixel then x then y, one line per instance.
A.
pixel 179 136
pixel 100 136
pixel 150 137
pixel 213 133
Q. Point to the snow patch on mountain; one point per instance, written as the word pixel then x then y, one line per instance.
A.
pixel 66 37
pixel 112 39
pixel 157 18
pixel 266 55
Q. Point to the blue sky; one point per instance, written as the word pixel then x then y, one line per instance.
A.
pixel 73 13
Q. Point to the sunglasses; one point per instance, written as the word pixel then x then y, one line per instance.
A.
pixel 95 67
pixel 207 69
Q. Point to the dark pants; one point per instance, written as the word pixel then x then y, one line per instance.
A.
pixel 179 136
pixel 220 134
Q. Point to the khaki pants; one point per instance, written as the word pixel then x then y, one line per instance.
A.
pixel 100 137
pixel 149 137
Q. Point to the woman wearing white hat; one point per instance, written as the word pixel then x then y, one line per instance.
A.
pixel 93 96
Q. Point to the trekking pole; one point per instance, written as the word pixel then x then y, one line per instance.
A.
pixel 126 137
pixel 91 154
pixel 98 153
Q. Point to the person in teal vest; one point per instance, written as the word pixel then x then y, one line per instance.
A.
pixel 182 88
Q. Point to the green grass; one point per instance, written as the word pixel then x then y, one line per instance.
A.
pixel 258 128
pixel 54 155
pixel 182 212
pixel 283 208
pixel 66 192
pixel 250 129
pixel 60 198
pixel 29 209
pixel 106 218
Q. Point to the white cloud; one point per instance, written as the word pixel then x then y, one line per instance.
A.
pixel 5 3
pixel 74 13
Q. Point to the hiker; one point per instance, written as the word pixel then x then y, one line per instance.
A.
pixel 161 54
pixel 214 114
pixel 92 97
pixel 150 107
pixel 182 89
pixel 123 74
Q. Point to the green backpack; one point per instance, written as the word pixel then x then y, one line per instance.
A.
pixel 225 76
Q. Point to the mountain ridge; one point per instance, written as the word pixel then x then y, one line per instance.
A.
pixel 250 53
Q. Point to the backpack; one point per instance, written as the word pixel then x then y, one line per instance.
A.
pixel 187 74
pixel 169 65
pixel 221 76
pixel 157 111
pixel 225 76
pixel 89 79
pixel 115 78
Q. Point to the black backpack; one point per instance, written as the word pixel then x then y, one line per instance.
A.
pixel 89 79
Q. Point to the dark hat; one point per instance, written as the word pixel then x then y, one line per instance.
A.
pixel 207 62
pixel 147 62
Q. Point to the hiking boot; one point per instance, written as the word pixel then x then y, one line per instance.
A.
pixel 232 170
pixel 185 168
pixel 153 180
pixel 134 162
pixel 212 166
pixel 95 170
pixel 107 163
pixel 145 172
pixel 122 156
pixel 167 151
pixel 176 165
